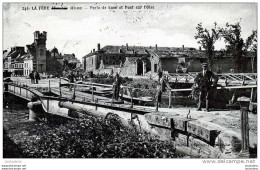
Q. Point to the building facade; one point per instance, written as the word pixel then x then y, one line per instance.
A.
pixel 140 60
pixel 37 58
pixel 13 60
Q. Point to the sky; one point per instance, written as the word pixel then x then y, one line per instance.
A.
pixel 79 31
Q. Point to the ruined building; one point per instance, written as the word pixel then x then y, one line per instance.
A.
pixel 141 60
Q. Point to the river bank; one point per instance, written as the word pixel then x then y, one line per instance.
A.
pixel 89 138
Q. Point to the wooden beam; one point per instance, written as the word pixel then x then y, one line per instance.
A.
pixel 219 88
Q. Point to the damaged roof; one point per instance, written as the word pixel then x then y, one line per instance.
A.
pixel 144 50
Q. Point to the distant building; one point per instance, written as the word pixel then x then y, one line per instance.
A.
pixel 13 60
pixel 37 51
pixel 37 57
pixel 141 60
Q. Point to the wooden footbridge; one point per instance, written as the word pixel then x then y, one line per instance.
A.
pixel 225 79
pixel 193 132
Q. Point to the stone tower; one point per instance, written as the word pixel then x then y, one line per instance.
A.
pixel 40 49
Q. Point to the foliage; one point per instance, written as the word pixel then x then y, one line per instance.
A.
pixel 143 87
pixel 251 45
pixel 207 39
pixel 10 149
pixel 251 42
pixel 95 138
pixel 236 44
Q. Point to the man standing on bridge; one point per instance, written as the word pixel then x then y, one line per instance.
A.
pixel 116 86
pixel 205 80
pixel 71 78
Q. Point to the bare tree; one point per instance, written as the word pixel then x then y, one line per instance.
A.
pixel 207 40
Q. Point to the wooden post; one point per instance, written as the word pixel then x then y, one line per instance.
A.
pixel 26 92
pixel 74 92
pixel 47 104
pixel 252 94
pixel 157 104
pixel 244 129
pixel 157 101
pixel 170 98
pixel 244 104
pixel 243 82
pixel 226 82
pixel 96 101
pixel 60 88
pixel 92 93
pixel 20 89
pixel 49 86
pixel 122 93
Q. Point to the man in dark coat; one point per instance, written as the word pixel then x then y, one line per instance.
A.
pixel 36 77
pixel 31 75
pixel 117 84
pixel 205 80
pixel 161 87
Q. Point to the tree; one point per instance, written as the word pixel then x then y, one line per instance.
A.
pixel 207 40
pixel 251 45
pixel 236 45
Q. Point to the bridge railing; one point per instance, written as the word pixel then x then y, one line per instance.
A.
pixel 224 78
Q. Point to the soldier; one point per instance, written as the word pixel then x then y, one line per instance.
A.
pixel 205 80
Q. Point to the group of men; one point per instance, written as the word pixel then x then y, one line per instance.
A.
pixel 35 77
pixel 205 81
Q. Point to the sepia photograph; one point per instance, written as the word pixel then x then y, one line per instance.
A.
pixel 130 80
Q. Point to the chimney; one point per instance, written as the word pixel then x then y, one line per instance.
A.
pixel 156 46
pixel 200 48
pixel 45 34
pixel 126 46
pixel 183 47
pixel 98 46
pixel 94 50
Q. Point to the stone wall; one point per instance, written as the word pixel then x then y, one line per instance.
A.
pixel 154 63
pixel 128 69
pixel 90 63
pixel 169 64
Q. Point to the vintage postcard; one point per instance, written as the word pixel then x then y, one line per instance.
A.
pixel 129 80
